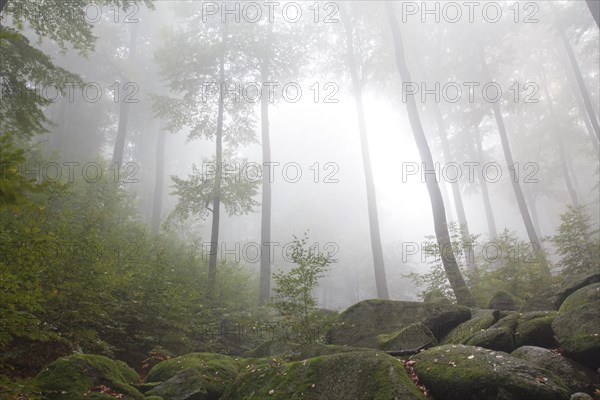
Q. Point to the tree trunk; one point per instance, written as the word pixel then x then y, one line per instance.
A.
pixel 124 106
pixel 578 99
pixel 532 203
pixel 216 209
pixel 458 203
pixel 265 228
pixel 378 263
pixel 587 100
pixel 3 4
pixel 457 282
pixel 533 237
pixel 159 182
pixel 561 149
pixel 485 194
pixel 594 6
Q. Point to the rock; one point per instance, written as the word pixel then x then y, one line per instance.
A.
pixel 552 298
pixel 436 296
pixel 365 375
pixel 196 376
pixel 481 320
pixel 272 348
pixel 578 332
pixel 500 336
pixel 412 337
pixel 502 300
pixel 458 372
pixel 360 324
pixel 318 349
pixel 585 295
pixel 72 377
pixel 581 396
pixel 576 376
pixel 535 329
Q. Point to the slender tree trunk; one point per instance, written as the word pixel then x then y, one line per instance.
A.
pixel 576 95
pixel 265 228
pixel 124 106
pixel 532 203
pixel 380 277
pixel 457 282
pixel 216 210
pixel 594 6
pixel 447 201
pixel 159 182
pixel 587 100
pixel 458 203
pixel 561 148
pixel 3 4
pixel 485 194
pixel 533 237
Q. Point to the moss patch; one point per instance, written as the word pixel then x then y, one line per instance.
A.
pixel 581 297
pixel 203 375
pixel 363 375
pixel 69 378
pixel 578 333
pixel 458 372
pixel 535 329
pixel 411 337
pixel 360 324
pixel 481 320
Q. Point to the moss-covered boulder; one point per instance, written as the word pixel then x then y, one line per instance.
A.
pixel 583 296
pixel 365 375
pixel 502 300
pixel 500 336
pixel 481 320
pixel 85 376
pixel 535 329
pixel 360 324
pixel 413 336
pixel 272 348
pixel 458 372
pixel 197 376
pixel 578 332
pixel 313 350
pixel 577 377
pixel 550 299
pixel 436 296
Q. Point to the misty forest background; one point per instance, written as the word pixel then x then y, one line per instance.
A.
pixel 108 212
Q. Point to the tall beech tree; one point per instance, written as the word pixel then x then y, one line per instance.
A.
pixel 525 215
pixel 348 19
pixel 210 59
pixel 457 282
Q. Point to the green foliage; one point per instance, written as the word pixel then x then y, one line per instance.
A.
pixel 510 264
pixel 294 299
pixel 577 243
pixel 78 264
pixel 436 279
pixel 237 192
pixel 505 263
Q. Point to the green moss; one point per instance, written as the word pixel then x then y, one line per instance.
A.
pixel 482 319
pixel 69 378
pixel 535 328
pixel 468 373
pixel 583 296
pixel 196 374
pixel 360 324
pixel 500 336
pixel 363 375
pixel 411 337
pixel 578 333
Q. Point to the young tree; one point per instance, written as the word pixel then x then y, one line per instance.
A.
pixel 457 282
pixel 294 298
pixel 209 59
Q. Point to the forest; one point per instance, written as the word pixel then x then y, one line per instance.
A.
pixel 248 200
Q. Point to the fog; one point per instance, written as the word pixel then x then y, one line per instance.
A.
pixel 318 180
